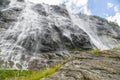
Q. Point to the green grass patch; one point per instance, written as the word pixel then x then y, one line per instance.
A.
pixel 76 49
pixel 28 74
pixel 13 73
pixel 97 51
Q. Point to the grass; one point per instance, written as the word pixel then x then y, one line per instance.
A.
pixel 76 49
pixel 28 74
pixel 10 73
pixel 97 51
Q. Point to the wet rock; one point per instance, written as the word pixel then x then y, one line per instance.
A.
pixel 11 63
pixel 60 10
pixel 9 17
pixel 18 66
pixel 40 9
pixel 56 30
pixel 20 0
pixel 81 41
pixel 4 3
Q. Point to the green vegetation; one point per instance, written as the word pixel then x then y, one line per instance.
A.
pixel 11 73
pixel 97 51
pixel 28 74
pixel 76 49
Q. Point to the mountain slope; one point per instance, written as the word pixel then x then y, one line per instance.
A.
pixel 29 30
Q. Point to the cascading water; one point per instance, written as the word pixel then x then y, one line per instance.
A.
pixel 101 42
pixel 26 24
pixel 41 28
pixel 25 34
pixel 94 38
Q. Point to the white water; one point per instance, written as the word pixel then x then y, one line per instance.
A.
pixel 26 24
pixel 93 36
pixel 30 23
pixel 100 42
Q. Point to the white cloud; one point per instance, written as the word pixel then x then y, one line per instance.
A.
pixel 85 10
pixel 110 5
pixel 116 9
pixel 80 3
pixel 105 14
pixel 79 6
pixel 115 18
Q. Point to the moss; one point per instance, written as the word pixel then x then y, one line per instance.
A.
pixel 28 74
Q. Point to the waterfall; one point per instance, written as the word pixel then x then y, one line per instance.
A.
pixel 100 42
pixel 26 25
pixel 22 40
pixel 42 27
pixel 85 27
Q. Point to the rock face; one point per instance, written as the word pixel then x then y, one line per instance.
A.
pixel 88 66
pixel 53 28
pixel 53 31
pixel 30 29
pixel 105 28
pixel 4 3
pixel 103 34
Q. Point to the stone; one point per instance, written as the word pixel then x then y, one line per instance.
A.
pixel 86 66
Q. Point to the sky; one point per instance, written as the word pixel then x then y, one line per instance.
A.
pixel 104 8
pixel 109 9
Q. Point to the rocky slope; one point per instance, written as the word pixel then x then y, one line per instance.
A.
pixel 86 65
pixel 52 30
